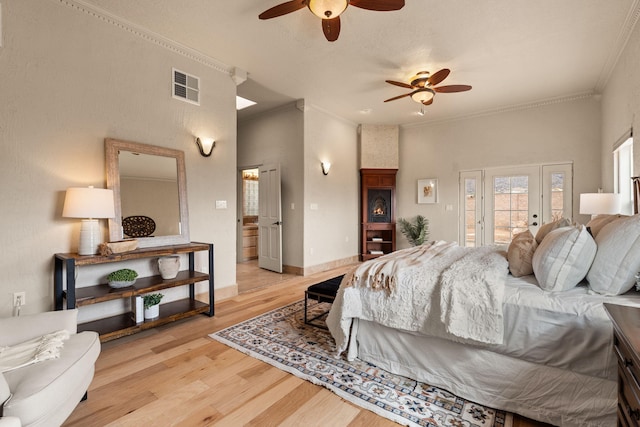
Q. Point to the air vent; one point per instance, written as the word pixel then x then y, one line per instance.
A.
pixel 186 87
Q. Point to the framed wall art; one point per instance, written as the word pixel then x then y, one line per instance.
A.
pixel 428 190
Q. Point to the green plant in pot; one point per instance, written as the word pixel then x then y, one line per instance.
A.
pixel 122 278
pixel 151 305
pixel 416 231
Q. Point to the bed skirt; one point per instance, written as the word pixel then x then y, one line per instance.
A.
pixel 552 395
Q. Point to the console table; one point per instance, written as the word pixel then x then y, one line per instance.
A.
pixel 125 324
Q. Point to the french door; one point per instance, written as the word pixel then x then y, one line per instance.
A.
pixel 498 203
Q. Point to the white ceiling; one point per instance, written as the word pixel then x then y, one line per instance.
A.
pixel 513 52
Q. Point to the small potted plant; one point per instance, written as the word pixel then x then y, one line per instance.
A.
pixel 416 231
pixel 152 305
pixel 122 278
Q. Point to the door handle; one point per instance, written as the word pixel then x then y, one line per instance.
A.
pixel 534 223
pixel 277 223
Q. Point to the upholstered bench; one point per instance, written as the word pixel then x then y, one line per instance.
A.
pixel 320 292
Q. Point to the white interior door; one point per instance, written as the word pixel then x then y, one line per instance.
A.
pixel 512 203
pixel 270 219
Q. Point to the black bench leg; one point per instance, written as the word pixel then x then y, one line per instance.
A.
pixel 85 397
pixel 306 300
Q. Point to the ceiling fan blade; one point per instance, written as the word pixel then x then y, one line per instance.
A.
pixel 331 28
pixel 283 9
pixel 452 88
pixel 398 97
pixel 438 76
pixel 399 84
pixel 429 102
pixel 379 5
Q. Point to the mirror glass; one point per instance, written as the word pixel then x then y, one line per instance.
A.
pixel 150 193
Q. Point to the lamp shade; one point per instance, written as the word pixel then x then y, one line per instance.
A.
pixel 88 202
pixel 599 203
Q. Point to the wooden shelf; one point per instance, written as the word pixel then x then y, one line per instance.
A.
pixel 124 324
pixel 100 293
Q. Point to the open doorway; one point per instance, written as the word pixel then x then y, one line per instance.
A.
pixel 248 219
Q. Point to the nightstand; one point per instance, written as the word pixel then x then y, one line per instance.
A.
pixel 626 345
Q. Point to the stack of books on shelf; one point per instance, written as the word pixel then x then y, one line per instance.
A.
pixel 374 252
pixel 376 239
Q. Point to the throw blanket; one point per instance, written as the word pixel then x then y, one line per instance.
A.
pixel 36 350
pixel 437 289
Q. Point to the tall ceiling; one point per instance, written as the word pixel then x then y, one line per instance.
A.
pixel 514 53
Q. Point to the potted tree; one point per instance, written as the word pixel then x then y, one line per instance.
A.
pixel 416 231
pixel 151 305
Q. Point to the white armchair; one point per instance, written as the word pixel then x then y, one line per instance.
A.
pixel 45 393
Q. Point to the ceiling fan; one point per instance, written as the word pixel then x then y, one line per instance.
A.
pixel 424 87
pixel 330 10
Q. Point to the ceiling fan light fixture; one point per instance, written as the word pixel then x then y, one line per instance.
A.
pixel 420 79
pixel 327 9
pixel 423 95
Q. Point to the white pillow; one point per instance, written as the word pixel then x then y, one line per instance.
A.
pixel 563 258
pixel 618 257
pixel 520 254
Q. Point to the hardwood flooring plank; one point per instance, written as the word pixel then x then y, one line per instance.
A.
pixel 280 410
pixel 326 409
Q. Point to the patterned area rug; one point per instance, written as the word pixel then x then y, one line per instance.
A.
pixel 282 339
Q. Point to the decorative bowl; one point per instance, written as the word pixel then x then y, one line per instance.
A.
pixel 121 283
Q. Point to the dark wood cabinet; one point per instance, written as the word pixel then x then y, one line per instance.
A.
pixel 626 346
pixel 125 324
pixel 378 208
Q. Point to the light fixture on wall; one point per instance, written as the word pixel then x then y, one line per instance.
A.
pixel 205 145
pixel 599 203
pixel 90 204
pixel 325 167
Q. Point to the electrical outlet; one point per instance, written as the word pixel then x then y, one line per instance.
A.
pixel 19 299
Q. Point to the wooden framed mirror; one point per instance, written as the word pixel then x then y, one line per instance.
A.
pixel 149 186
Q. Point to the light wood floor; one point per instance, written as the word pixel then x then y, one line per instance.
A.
pixel 177 375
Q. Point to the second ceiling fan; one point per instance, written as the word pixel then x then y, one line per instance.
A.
pixel 330 10
pixel 424 87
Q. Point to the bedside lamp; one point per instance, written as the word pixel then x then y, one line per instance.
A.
pixel 599 203
pixel 90 204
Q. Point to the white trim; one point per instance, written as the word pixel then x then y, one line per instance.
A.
pixel 0 24
pixel 147 35
pixel 506 109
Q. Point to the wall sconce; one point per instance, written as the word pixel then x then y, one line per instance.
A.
pixel 325 167
pixel 90 204
pixel 205 145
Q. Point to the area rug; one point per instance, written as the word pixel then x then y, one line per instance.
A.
pixel 281 338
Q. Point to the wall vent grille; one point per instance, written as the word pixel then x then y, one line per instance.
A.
pixel 186 87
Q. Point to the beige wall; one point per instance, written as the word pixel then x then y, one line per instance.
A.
pixel 621 107
pixel 68 80
pixel 331 202
pixel 379 147
pixel 562 132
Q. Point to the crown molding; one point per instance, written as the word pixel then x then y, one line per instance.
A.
pixel 507 109
pixel 147 35
pixel 619 46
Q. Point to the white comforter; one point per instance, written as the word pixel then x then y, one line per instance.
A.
pixel 438 289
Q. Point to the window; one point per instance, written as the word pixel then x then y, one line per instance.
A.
pixel 623 171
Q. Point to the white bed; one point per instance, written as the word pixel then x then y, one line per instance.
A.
pixel 555 363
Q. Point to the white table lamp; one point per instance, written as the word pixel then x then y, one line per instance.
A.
pixel 599 203
pixel 90 204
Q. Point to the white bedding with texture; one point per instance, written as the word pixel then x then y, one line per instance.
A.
pixel 438 289
pixel 555 365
